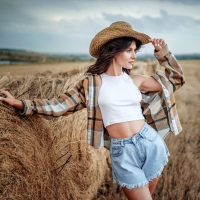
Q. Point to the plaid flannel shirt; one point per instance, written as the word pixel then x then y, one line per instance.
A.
pixel 158 108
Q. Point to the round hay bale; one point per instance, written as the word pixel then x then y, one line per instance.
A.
pixel 25 156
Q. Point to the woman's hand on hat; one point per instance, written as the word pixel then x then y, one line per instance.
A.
pixel 157 43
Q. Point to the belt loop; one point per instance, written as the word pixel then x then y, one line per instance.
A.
pixel 142 135
pixel 133 139
pixel 122 143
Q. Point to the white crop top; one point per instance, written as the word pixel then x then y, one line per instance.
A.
pixel 119 99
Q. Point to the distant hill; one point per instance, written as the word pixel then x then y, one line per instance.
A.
pixel 23 56
pixel 15 55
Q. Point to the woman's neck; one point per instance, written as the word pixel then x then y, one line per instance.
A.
pixel 114 70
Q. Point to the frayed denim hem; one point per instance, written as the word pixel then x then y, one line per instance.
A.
pixel 149 179
pixel 132 186
pixel 158 174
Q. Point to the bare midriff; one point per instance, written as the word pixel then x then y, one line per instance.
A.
pixel 125 129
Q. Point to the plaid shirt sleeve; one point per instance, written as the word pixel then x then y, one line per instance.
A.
pixel 159 108
pixel 67 103
pixel 173 70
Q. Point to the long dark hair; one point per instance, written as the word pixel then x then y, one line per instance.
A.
pixel 109 51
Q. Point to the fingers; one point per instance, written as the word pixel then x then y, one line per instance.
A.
pixel 158 43
pixel 2 92
pixel 5 93
pixel 5 96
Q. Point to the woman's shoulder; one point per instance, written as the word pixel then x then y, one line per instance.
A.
pixel 138 79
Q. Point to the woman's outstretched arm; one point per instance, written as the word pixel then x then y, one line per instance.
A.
pixel 67 103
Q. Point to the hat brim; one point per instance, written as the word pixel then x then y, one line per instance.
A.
pixel 109 33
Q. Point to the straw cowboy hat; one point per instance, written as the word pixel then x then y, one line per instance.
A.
pixel 115 30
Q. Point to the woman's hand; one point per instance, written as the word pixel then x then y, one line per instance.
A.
pixel 157 43
pixel 9 99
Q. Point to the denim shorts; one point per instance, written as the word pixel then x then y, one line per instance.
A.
pixel 138 159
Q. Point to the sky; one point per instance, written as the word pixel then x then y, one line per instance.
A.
pixel 68 26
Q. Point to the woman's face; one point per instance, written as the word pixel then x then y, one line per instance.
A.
pixel 126 59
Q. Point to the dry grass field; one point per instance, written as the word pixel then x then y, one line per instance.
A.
pixel 23 70
pixel 50 160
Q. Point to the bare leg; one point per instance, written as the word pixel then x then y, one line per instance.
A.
pixel 152 185
pixel 138 193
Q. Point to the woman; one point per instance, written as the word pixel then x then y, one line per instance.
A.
pixel 118 114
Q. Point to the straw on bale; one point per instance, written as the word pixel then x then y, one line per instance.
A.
pixel 25 158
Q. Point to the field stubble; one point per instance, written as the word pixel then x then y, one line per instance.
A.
pixel 43 159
